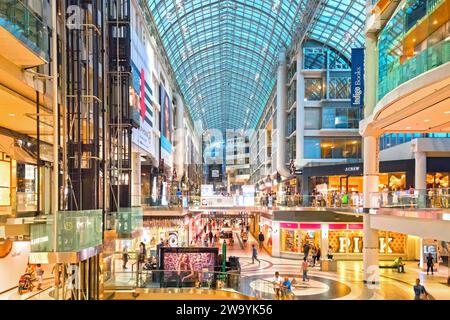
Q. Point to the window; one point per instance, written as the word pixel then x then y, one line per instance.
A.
pixel 312 148
pixel 340 118
pixel 5 179
pixel 314 58
pixel 339 88
pixel 312 118
pixel 313 89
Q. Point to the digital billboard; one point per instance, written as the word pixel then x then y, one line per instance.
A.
pixel 184 266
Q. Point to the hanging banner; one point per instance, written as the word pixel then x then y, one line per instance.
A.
pixel 357 85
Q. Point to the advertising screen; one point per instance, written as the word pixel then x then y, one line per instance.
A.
pixel 185 266
pixel 166 125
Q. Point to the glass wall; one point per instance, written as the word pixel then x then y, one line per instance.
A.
pixel 392 139
pixel 415 40
pixel 333 148
pixel 340 118
pixel 312 118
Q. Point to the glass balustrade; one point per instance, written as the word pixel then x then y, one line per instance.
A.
pixel 19 20
pixel 76 230
pixel 419 199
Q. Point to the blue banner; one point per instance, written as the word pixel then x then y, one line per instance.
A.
pixel 357 85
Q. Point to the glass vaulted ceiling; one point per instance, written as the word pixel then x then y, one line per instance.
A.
pixel 223 52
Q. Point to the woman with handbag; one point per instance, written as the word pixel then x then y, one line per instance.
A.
pixel 419 291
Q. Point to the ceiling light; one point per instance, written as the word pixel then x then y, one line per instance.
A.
pixel 426 120
pixel 12 114
pixel 408 128
pixel 435 22
pixel 414 40
pixel 447 112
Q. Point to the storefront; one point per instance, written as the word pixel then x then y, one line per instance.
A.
pixel 348 178
pixel 174 230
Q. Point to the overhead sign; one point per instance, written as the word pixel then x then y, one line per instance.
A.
pixel 357 77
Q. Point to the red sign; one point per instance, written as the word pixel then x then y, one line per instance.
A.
pixel 355 226
pixel 310 226
pixel 289 225
pixel 337 226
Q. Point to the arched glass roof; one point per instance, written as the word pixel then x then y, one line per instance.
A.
pixel 223 51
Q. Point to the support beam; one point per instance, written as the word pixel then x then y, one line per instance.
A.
pixel 281 115
pixel 300 116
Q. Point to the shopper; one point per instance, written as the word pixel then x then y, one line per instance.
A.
pixel 255 254
pixel 211 236
pixel 142 254
pixel 398 263
pixel 261 240
pixel 419 291
pixel 205 241
pixel 124 257
pixel 314 256
pixel 305 270
pixel 286 288
pixel 430 264
pixel 276 280
pixel 40 275
pixel 306 249
pixel 318 254
pixel 330 253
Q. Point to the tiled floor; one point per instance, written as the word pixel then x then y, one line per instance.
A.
pixel 346 283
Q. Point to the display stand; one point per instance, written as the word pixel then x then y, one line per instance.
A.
pixel 328 265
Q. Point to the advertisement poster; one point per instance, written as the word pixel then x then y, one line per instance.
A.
pixel 185 266
pixel 166 125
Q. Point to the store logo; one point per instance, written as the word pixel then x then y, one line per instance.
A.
pixel 74 17
pixel 352 169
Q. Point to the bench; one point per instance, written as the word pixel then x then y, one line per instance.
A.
pixel 387 267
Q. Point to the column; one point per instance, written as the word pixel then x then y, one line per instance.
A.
pixel 370 186
pixel 300 115
pixel 371 74
pixel 324 240
pixel 281 114
pixel 420 178
pixel 180 143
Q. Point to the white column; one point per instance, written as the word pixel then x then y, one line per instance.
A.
pixel 420 171
pixel 281 114
pixel 300 115
pixel 180 145
pixel 371 171
pixel 371 74
pixel 275 239
pixel 370 186
pixel 370 252
pixel 324 240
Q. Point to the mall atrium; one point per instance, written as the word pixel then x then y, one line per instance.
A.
pixel 190 149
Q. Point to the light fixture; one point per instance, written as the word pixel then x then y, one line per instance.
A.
pixel 447 112
pixel 426 120
pixel 12 114
pixel 414 40
pixel 435 22
pixel 408 128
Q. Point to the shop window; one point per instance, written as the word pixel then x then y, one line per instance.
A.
pixel 290 240
pixel 5 179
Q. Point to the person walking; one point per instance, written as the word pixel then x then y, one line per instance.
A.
pixel 306 249
pixel 261 240
pixel 305 270
pixel 430 264
pixel 276 280
pixel 255 254
pixel 124 257
pixel 40 275
pixel 142 254
pixel 211 236
pixel 314 256
pixel 205 241
pixel 419 291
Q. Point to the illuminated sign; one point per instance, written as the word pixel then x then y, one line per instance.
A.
pixel 355 244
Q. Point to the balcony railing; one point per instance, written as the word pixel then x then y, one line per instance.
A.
pixel 76 230
pixel 426 60
pixel 19 20
pixel 328 200
pixel 126 221
pixel 421 199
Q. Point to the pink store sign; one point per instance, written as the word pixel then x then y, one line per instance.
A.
pixel 310 226
pixel 284 225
